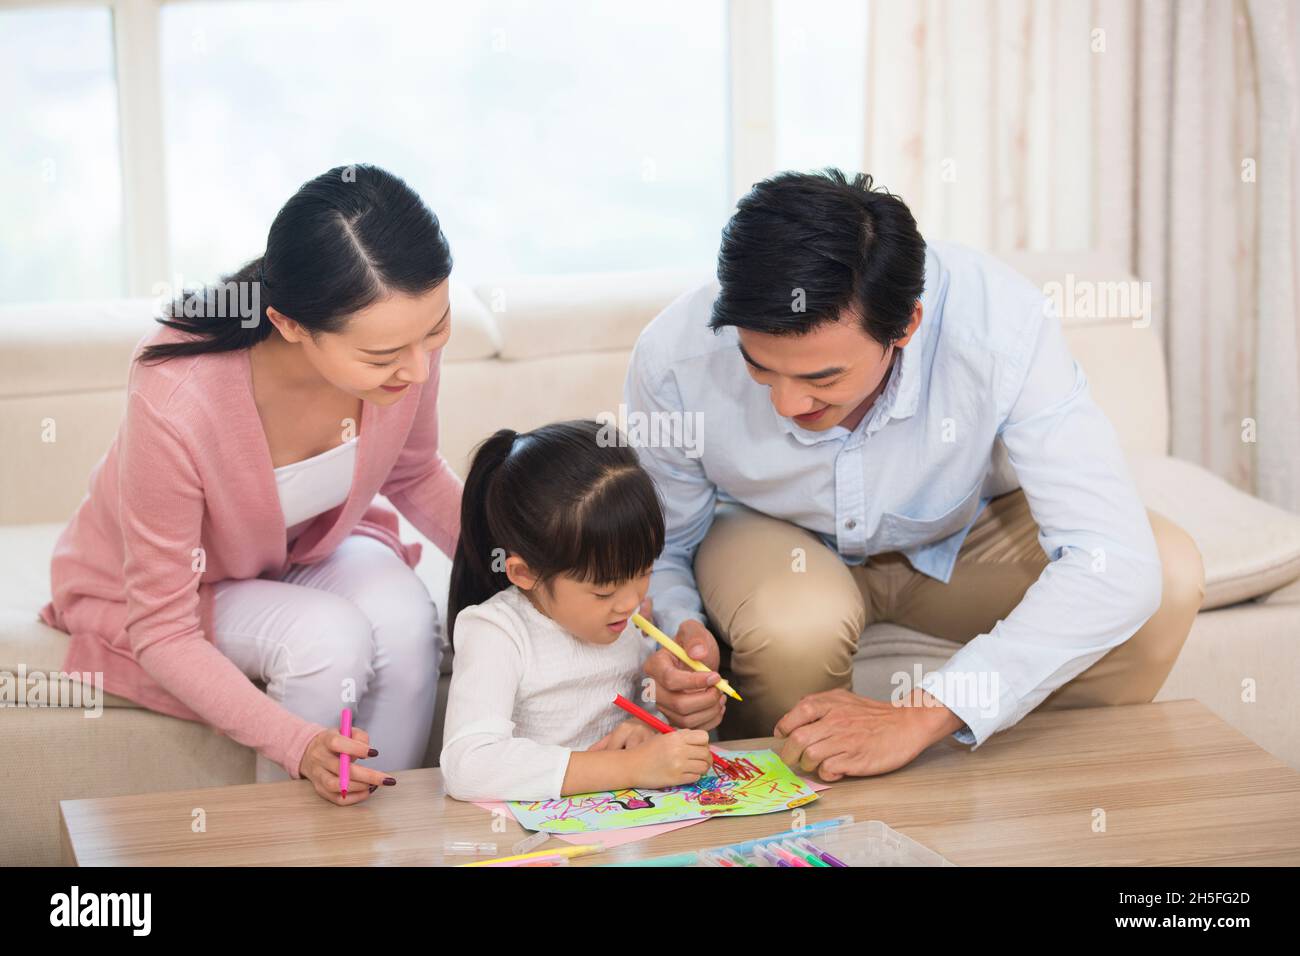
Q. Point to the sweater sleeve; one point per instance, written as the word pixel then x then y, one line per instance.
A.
pixel 421 485
pixel 481 758
pixel 161 505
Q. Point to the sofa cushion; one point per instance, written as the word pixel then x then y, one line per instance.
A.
pixel 474 333
pixel 551 315
pixel 1249 546
pixel 1288 596
pixel 24 588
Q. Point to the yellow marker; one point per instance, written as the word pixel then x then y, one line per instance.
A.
pixel 581 849
pixel 677 651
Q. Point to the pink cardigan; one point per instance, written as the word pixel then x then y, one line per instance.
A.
pixel 190 469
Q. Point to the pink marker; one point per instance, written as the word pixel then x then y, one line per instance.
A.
pixel 345 728
pixel 784 854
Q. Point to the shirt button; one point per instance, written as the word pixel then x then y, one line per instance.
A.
pixel 850 524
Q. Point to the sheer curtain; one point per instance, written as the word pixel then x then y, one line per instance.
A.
pixel 1218 228
pixel 1156 138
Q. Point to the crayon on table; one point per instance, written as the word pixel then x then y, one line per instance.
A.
pixel 581 849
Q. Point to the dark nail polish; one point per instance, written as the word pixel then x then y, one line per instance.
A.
pixel 373 752
pixel 390 782
pixel 374 787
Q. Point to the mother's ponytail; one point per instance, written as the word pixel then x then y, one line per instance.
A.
pixel 476 573
pixel 223 318
pixel 343 241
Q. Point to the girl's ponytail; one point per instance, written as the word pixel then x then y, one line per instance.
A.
pixel 473 579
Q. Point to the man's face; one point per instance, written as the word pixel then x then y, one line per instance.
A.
pixel 825 376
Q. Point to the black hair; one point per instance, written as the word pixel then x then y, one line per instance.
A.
pixel 802 247
pixel 344 240
pixel 566 498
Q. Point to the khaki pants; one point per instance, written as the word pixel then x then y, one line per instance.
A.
pixel 795 634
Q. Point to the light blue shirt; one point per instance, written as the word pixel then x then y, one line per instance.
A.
pixel 985 398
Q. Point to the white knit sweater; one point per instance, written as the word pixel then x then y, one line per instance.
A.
pixel 524 694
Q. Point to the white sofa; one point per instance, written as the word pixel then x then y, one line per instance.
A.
pixel 523 352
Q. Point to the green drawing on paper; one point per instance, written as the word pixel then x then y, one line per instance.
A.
pixel 762 784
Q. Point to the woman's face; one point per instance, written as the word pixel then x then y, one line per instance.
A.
pixel 383 349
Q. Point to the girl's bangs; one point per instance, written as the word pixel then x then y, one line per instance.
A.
pixel 616 536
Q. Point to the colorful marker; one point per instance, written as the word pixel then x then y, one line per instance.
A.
pixel 791 834
pixel 812 859
pixel 822 854
pixel 345 760
pixel 680 653
pixel 581 849
pixel 648 718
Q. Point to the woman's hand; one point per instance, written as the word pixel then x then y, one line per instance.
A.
pixel 320 765
pixel 630 733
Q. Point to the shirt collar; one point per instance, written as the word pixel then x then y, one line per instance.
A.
pixel 898 400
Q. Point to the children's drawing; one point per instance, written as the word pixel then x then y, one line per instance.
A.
pixel 759 783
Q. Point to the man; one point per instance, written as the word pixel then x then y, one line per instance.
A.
pixel 892 431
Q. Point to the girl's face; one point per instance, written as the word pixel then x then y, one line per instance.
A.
pixel 383 349
pixel 593 613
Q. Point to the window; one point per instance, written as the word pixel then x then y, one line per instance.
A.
pixel 819 83
pixel 548 137
pixel 61 192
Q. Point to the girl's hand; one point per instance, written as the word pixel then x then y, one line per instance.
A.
pixel 320 765
pixel 671 760
pixel 630 733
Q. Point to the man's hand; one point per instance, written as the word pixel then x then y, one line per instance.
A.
pixel 837 733
pixel 685 697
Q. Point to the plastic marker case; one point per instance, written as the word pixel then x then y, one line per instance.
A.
pixel 872 843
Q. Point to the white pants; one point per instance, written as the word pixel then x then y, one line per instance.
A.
pixel 356 630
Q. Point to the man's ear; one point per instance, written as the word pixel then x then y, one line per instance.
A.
pixel 912 326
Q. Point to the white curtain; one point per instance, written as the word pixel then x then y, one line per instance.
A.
pixel 1217 232
pixel 1155 138
pixel 990 119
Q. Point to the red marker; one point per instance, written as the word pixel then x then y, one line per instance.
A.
pixel 646 717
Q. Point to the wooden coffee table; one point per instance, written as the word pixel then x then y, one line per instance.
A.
pixel 1177 786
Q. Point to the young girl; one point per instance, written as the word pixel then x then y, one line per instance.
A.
pixel 558 534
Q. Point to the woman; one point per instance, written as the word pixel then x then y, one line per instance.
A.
pixel 229 532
